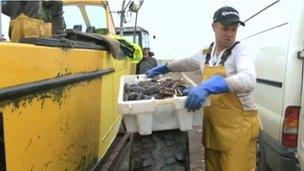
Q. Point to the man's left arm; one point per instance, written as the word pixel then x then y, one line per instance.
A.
pixel 245 78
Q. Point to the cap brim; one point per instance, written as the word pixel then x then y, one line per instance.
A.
pixel 151 54
pixel 232 21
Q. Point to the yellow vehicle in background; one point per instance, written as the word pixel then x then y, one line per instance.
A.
pixel 58 96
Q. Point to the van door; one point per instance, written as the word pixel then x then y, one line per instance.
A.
pixel 301 125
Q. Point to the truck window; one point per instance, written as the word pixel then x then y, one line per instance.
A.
pixel 85 15
pixel 129 37
pixel 97 16
pixel 145 40
pixel 5 26
pixel 72 16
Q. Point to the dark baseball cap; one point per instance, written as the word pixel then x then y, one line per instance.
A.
pixel 227 15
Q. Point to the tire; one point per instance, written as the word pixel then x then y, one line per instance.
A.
pixel 160 151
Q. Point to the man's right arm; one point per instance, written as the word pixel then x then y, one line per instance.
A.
pixel 192 63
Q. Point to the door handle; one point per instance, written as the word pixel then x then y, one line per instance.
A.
pixel 300 54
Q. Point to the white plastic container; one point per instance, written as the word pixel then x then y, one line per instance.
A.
pixel 145 116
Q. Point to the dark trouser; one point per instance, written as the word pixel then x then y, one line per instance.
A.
pixel 55 11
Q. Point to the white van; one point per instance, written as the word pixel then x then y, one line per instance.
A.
pixel 275 32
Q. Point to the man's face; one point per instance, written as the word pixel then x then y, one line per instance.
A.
pixel 224 36
pixel 145 53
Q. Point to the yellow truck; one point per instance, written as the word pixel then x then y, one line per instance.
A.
pixel 58 96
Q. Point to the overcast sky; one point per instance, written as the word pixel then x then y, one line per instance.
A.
pixel 183 27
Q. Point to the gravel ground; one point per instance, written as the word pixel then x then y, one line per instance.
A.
pixel 197 162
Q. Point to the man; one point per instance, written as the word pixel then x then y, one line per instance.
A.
pixel 147 62
pixel 230 124
pixel 41 19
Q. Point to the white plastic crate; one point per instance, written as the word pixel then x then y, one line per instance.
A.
pixel 145 116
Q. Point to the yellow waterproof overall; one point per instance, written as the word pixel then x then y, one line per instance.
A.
pixel 229 132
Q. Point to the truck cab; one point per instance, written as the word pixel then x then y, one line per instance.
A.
pixel 141 35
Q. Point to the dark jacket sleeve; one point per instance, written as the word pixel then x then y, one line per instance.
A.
pixel 14 8
pixel 145 64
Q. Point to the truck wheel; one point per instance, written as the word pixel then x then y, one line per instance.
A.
pixel 162 150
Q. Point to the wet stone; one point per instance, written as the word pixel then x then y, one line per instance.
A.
pixel 170 160
pixel 147 162
pixel 168 153
pixel 179 156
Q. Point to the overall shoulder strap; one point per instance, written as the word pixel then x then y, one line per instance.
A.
pixel 227 53
pixel 208 53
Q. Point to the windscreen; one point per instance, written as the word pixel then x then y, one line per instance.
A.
pixel 85 15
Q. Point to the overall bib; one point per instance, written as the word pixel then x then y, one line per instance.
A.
pixel 229 132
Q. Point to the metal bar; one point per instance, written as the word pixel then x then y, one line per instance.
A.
pixel 122 17
pixel 116 152
pixel 136 18
pixel 114 160
pixel 31 88
pixel 263 31
pixel 134 34
pixel 261 11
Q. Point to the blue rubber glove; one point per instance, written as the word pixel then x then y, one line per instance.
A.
pixel 160 69
pixel 196 98
pixel 197 95
pixel 186 91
